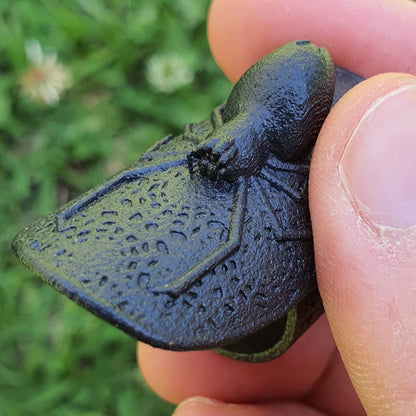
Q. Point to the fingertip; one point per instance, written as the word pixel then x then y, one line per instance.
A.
pixel 363 215
pixel 201 406
pixel 176 376
pixel 242 31
pixel 236 35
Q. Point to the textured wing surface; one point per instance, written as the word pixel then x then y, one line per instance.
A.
pixel 107 252
pixel 144 229
pixel 273 269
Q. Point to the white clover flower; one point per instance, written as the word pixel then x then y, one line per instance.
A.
pixel 46 79
pixel 192 12
pixel 168 72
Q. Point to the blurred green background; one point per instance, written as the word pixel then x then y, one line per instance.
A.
pixel 85 87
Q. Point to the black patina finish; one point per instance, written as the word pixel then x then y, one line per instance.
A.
pixel 206 241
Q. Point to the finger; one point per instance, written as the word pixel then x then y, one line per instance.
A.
pixel 334 393
pixel 242 31
pixel 200 406
pixel 363 209
pixel 176 376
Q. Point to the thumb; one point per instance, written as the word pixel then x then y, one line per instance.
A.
pixel 363 208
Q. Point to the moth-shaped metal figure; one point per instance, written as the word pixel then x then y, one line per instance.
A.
pixel 206 242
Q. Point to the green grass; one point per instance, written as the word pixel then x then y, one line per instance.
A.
pixel 56 359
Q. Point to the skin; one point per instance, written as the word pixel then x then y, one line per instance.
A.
pixel 363 208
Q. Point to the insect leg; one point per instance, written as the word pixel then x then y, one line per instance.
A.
pixel 300 197
pixel 306 234
pixel 278 226
pixel 216 117
pixel 150 156
pixel 277 165
pixel 160 143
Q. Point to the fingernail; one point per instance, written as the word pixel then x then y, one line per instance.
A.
pixel 199 400
pixel 378 165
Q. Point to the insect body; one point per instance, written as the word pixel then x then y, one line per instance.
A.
pixel 276 108
pixel 206 241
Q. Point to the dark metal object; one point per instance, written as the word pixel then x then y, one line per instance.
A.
pixel 206 242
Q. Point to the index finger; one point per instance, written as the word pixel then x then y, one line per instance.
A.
pixel 365 36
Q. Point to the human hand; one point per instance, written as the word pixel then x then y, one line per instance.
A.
pixel 363 208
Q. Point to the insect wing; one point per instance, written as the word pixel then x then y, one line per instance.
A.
pixel 141 231
pixel 277 205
